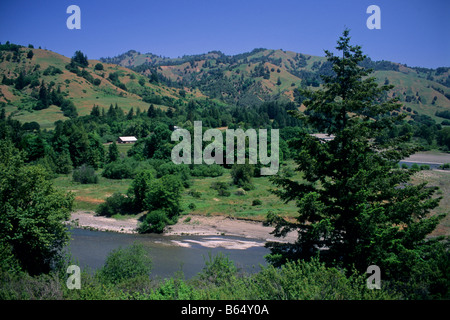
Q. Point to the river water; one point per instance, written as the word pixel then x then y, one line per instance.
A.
pixel 169 254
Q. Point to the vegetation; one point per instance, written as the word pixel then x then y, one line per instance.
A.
pixel 354 209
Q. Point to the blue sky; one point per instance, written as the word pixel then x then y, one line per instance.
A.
pixel 413 32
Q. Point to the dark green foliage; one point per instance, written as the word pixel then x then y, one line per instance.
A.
pixel 98 66
pixel 51 71
pixel 79 59
pixel 350 203
pixel 443 114
pixel 140 187
pixel 85 175
pixel 154 222
pixel 165 194
pixel 256 202
pixel 126 263
pixel 116 204
pixel 31 214
pixel 113 153
pixel 242 175
pixel 114 78
pixel 222 188
pixel 180 170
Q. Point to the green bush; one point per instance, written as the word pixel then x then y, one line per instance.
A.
pixel 154 222
pixel 204 170
pixel 116 204
pixel 256 202
pixel 126 263
pixel 85 175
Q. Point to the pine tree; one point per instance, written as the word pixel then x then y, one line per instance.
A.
pixel 355 208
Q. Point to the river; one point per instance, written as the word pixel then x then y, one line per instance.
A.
pixel 169 254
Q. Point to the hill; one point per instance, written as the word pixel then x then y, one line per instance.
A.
pixel 263 75
pixel 135 80
pixel 24 74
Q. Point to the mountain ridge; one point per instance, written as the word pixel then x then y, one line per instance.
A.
pixel 246 79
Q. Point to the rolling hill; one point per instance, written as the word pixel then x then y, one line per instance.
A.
pixel 261 75
pixel 135 80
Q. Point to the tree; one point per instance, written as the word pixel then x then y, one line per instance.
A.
pixel 140 187
pixel 99 66
pixel 79 59
pixel 113 153
pixel 242 175
pixel 165 194
pixel 355 210
pixel 32 213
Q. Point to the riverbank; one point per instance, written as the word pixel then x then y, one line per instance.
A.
pixel 186 225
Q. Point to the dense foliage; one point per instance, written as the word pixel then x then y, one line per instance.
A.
pixel 355 210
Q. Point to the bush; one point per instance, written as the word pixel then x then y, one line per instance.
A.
pixel 125 168
pixel 180 170
pixel 195 194
pixel 116 204
pixel 85 175
pixel 124 264
pixel 154 222
pixel 242 175
pixel 192 206
pixel 204 170
pixel 221 187
pixel 445 166
pixel 256 202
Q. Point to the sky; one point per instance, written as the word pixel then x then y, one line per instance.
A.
pixel 413 32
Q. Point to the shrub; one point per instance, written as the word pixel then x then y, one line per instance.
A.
pixel 445 166
pixel 195 194
pixel 85 175
pixel 116 204
pixel 154 222
pixel 242 175
pixel 124 169
pixel 256 202
pixel 192 206
pixel 221 187
pixel 204 170
pixel 123 264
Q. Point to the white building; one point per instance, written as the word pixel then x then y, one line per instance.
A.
pixel 130 139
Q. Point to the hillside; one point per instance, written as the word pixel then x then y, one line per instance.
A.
pixel 262 75
pixel 135 80
pixel 23 74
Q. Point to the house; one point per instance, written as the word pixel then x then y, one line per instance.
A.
pixel 130 139
pixel 323 137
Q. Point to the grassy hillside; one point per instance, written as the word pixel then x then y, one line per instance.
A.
pixel 50 68
pixel 245 80
pixel 262 74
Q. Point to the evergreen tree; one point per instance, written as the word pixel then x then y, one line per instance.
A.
pixel 355 210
